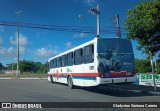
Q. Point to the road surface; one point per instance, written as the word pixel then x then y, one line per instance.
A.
pixel 17 90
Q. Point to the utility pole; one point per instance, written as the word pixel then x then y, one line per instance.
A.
pixel 151 59
pixel 97 12
pixel 18 14
pixel 118 26
pixel 116 19
pixel 156 68
pixel 12 67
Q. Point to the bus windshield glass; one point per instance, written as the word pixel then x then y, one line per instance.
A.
pixel 116 54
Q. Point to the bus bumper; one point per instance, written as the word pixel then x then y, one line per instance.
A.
pixel 114 80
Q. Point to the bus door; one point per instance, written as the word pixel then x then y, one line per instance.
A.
pixel 89 77
pixel 78 68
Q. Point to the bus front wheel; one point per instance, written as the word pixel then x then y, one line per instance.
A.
pixel 70 82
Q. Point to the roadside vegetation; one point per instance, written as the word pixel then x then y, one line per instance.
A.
pixel 143 25
pixel 28 66
pixel 27 69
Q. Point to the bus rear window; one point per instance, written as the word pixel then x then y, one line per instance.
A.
pixel 117 44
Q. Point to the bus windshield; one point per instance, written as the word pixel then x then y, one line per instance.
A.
pixel 116 54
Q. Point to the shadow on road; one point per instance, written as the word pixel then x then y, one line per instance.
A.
pixel 118 92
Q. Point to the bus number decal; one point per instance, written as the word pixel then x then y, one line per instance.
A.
pixel 91 67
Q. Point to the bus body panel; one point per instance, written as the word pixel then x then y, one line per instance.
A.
pixel 117 62
pixel 77 75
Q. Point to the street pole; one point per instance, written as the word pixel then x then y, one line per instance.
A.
pixel 118 26
pixel 97 12
pixel 151 59
pixel 156 68
pixel 98 21
pixel 18 14
pixel 12 67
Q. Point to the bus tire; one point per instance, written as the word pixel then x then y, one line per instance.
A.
pixel 51 79
pixel 70 82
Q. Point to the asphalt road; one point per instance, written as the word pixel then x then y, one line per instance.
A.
pixel 17 90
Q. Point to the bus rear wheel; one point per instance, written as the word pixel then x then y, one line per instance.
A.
pixel 51 79
pixel 70 82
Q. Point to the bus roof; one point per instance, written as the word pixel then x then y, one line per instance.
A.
pixel 81 46
pixel 75 48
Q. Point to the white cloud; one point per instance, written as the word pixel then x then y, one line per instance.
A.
pixel 1 28
pixel 80 35
pixel 22 39
pixel 88 2
pixel 68 45
pixel 11 51
pixel 22 50
pixel 7 52
pixel 1 41
pixel 43 52
pixel 22 42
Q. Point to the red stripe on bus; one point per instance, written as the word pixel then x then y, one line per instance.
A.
pixel 90 74
pixel 117 73
pixel 85 74
pixel 77 74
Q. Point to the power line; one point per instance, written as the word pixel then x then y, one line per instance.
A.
pixel 78 29
pixel 110 3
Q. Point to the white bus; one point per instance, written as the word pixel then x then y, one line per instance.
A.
pixel 99 61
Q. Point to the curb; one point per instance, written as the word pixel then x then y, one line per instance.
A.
pixel 31 78
pixel 23 78
pixel 6 78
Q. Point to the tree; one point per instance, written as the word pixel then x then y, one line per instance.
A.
pixel 143 25
pixel 142 66
pixel 29 66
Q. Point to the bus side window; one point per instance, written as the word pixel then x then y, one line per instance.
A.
pixel 70 59
pixel 50 64
pixel 48 68
pixel 78 59
pixel 63 60
pixel 55 62
pixel 58 62
pixel 88 54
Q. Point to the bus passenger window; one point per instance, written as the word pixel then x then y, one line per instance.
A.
pixel 88 54
pixel 48 66
pixel 78 57
pixel 63 60
pixel 55 63
pixel 70 59
pixel 59 62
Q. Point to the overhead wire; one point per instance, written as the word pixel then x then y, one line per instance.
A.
pixel 80 29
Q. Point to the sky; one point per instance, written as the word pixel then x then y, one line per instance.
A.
pixel 41 44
